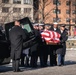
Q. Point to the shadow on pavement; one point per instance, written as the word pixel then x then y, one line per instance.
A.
pixel 70 62
pixel 4 68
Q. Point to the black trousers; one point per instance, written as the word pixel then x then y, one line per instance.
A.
pixel 43 60
pixel 53 60
pixel 53 56
pixel 22 59
pixel 34 58
pixel 43 55
pixel 15 64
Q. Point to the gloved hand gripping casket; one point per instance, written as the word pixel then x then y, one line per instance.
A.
pixel 51 37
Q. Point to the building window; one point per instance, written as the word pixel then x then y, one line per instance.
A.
pixel 58 20
pixel 27 10
pixel 17 1
pixel 54 19
pixel 58 11
pixel 16 10
pixel 58 3
pixel 73 20
pixel 67 19
pixel 5 9
pixel 5 1
pixel 27 1
pixel 67 3
pixel 67 12
pixel 73 3
pixel 73 11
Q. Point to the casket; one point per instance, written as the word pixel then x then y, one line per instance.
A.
pixel 51 43
pixel 51 37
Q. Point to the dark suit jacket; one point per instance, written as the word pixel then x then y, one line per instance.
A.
pixel 57 30
pixel 16 36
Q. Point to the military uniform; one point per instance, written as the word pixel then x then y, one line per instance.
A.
pixel 43 51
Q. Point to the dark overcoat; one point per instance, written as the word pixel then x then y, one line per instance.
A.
pixel 38 40
pixel 62 48
pixel 57 30
pixel 16 36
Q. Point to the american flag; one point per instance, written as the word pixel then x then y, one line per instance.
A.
pixel 51 36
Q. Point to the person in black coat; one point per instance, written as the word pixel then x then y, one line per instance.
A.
pixel 16 37
pixel 53 48
pixel 23 55
pixel 62 49
pixel 43 49
pixel 34 49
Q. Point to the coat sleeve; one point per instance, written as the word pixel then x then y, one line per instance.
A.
pixel 24 36
pixel 64 38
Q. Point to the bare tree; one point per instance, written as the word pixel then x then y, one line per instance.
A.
pixel 42 11
pixel 45 10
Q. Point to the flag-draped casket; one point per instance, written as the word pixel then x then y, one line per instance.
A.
pixel 50 37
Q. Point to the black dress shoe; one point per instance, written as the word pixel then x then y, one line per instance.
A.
pixel 43 66
pixel 34 66
pixel 27 65
pixel 55 64
pixel 51 65
pixel 59 65
pixel 18 70
pixel 22 65
pixel 14 70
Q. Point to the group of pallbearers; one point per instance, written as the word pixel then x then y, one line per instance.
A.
pixel 56 50
pixel 41 49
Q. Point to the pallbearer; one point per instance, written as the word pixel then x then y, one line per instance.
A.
pixel 62 49
pixel 53 48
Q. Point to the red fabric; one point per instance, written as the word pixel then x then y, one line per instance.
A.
pixel 50 36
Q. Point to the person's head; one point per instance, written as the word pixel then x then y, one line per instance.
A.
pixel 62 27
pixel 17 23
pixel 47 27
pixel 40 27
pixel 55 25
pixel 35 27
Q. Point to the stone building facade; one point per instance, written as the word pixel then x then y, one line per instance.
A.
pixel 11 10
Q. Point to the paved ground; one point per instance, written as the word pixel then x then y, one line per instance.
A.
pixel 68 69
